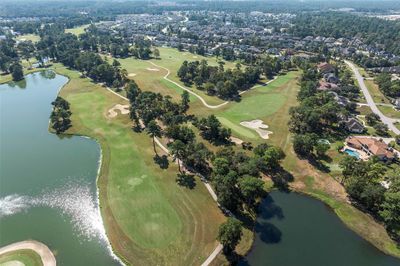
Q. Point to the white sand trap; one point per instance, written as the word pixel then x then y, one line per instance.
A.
pixel 237 141
pixel 152 69
pixel 132 75
pixel 13 263
pixel 259 126
pixel 195 56
pixel 124 109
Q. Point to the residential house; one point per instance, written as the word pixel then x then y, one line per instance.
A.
pixel 353 125
pixel 326 86
pixel 372 147
pixel 325 68
pixel 331 78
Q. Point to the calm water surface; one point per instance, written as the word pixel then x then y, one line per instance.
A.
pixel 47 183
pixel 296 230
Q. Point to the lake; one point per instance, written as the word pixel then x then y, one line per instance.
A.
pixel 48 183
pixel 294 229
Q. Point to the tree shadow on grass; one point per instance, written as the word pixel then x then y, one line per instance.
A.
pixel 186 180
pixel 162 161
pixel 281 179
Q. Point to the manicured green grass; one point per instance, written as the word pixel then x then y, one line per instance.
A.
pixel 77 30
pixel 29 37
pixel 260 103
pixel 26 256
pixel 389 111
pixel 149 219
pixel 172 59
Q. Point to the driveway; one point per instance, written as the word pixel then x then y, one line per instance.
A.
pixel 386 120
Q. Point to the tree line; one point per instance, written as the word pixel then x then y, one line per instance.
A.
pixel 362 181
pixel 389 87
pixel 235 175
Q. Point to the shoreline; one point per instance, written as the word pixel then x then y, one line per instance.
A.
pixel 100 163
pixel 39 248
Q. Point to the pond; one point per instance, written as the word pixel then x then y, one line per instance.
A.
pixel 294 229
pixel 48 183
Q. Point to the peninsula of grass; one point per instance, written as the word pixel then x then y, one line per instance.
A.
pixel 149 219
pixel 25 256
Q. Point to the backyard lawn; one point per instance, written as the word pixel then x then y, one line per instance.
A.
pixel 149 219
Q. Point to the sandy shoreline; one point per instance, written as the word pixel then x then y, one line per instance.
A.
pixel 41 249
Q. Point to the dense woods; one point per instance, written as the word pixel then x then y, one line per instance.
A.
pixel 339 25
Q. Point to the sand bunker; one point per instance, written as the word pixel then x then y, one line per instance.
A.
pixel 132 75
pixel 152 69
pixel 237 141
pixel 258 126
pixel 124 109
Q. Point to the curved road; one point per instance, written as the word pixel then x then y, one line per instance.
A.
pixel 198 96
pixel 386 120
pixel 41 249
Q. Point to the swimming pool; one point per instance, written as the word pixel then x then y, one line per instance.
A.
pixel 352 153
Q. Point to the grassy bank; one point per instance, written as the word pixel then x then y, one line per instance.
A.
pixel 149 219
pixel 26 256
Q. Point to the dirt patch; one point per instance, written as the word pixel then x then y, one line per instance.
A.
pixel 123 109
pixel 131 75
pixel 237 141
pixel 152 69
pixel 259 126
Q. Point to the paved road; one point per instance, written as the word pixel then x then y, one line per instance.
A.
pixel 386 120
pixel 41 249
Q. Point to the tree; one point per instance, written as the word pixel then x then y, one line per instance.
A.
pixel 156 53
pixel 372 119
pixel 60 116
pixel 390 208
pixel 321 148
pixel 229 234
pixel 17 72
pixel 303 144
pixel 154 130
pixel 251 188
pixel 178 150
pixel 381 129
pixel 185 100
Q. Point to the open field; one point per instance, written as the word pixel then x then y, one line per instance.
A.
pixel 373 88
pixel 26 256
pixel 29 37
pixel 149 219
pixel 77 30
pixel 150 77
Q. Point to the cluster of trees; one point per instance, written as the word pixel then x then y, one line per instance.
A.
pixel 345 25
pixel 60 116
pixel 362 181
pixel 317 116
pixel 389 87
pixel 212 130
pixel 226 84
pixel 66 48
pixel 236 175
